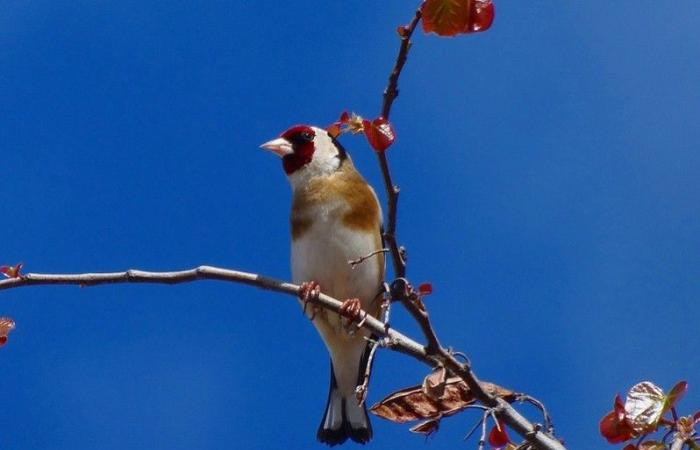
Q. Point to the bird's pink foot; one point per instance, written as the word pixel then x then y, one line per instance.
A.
pixel 351 309
pixel 309 290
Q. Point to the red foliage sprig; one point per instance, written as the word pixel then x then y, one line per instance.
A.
pixel 379 132
pixel 12 271
pixel 645 411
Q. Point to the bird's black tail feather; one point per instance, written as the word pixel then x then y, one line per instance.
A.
pixel 343 417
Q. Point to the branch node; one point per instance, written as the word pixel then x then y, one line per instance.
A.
pixel 400 289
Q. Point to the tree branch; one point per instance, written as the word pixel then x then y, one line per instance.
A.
pixel 401 289
pixel 392 191
pixel 677 444
pixel 392 91
pixel 397 341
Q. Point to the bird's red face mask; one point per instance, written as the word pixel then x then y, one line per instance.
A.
pixel 295 146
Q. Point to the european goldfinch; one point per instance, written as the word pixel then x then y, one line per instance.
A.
pixel 335 218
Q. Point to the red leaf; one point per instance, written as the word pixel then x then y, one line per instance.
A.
pixel 630 447
pixel 379 132
pixel 482 16
pixel 334 130
pixel 339 126
pixel 644 406
pixel 425 289
pixel 6 325
pixel 614 430
pixel 452 17
pixel 12 271
pixel 445 17
pixel 676 393
pixel 619 407
pixel 614 426
pixel 402 31
pixel 498 437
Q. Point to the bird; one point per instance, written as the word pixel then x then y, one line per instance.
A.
pixel 335 218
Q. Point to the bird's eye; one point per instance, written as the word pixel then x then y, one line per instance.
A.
pixel 305 135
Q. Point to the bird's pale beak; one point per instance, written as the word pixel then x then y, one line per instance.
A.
pixel 279 146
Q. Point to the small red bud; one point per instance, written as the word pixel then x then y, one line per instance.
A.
pixel 12 271
pixel 379 132
pixel 498 437
pixel 425 289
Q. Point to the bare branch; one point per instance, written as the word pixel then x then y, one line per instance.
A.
pixel 403 291
pixel 476 425
pixel 392 91
pixel 392 191
pixel 548 426
pixel 396 340
pixel 362 389
pixel 482 439
pixel 400 342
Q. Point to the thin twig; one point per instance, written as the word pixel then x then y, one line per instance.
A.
pixel 392 91
pixel 548 425
pixel 386 306
pixel 362 389
pixel 392 191
pixel 667 435
pixel 678 442
pixel 641 439
pixel 482 439
pixel 401 290
pixel 355 262
pixel 476 425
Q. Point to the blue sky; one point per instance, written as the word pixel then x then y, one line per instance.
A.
pixel 549 172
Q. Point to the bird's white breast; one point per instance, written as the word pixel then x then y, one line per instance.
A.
pixel 323 252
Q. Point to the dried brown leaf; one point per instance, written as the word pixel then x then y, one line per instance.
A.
pixel 434 384
pixel 426 428
pixel 414 404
